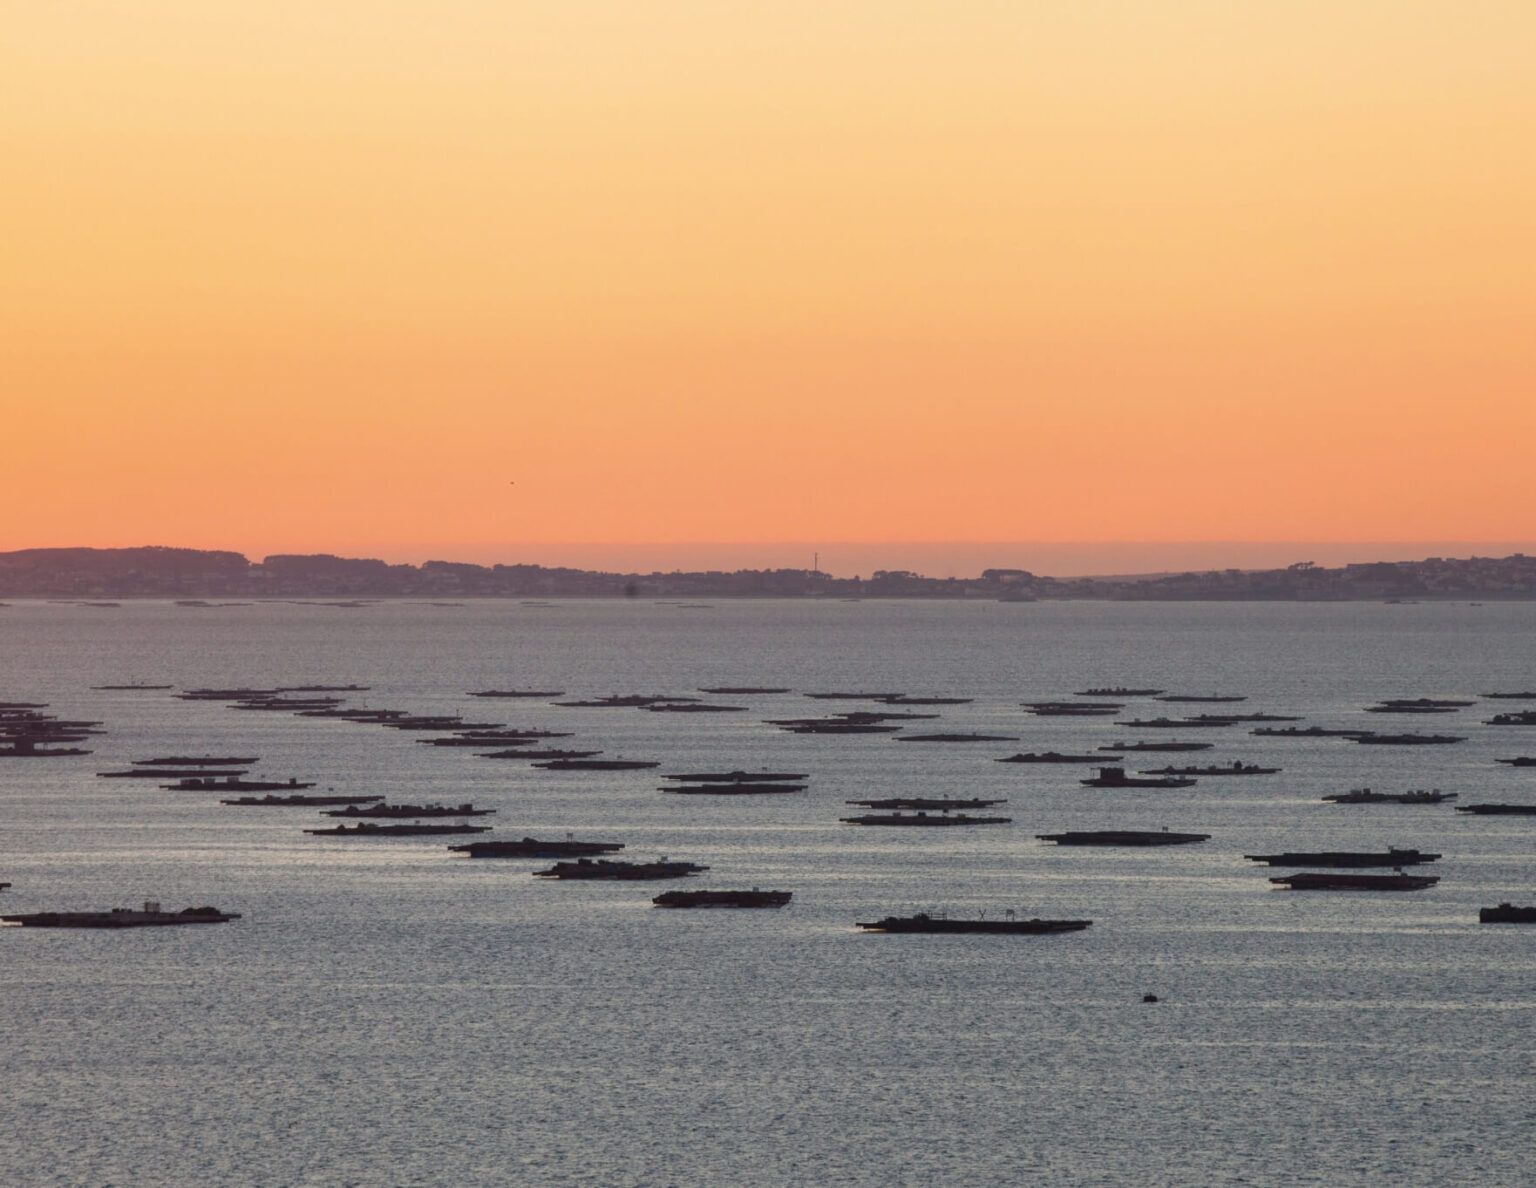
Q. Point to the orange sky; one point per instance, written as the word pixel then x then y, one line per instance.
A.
pixel 334 274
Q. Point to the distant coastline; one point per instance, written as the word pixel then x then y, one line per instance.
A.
pixel 160 572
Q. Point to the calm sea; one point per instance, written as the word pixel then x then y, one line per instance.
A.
pixel 388 1013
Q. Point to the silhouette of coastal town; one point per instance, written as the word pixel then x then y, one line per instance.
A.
pixel 160 572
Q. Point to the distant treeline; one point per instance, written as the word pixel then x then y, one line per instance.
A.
pixel 170 572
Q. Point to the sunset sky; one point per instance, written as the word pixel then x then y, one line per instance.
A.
pixel 414 279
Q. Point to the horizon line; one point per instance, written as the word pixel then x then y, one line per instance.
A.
pixel 937 559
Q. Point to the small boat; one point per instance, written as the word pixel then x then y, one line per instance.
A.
pixel 744 690
pixel 1202 723
pixel 603 868
pixel 362 716
pixel 537 753
pixel 1507 913
pixel 923 922
pixel 1202 699
pixel 731 788
pixel 907 699
pixel 1116 777
pixel 923 819
pixel 477 740
pixel 1354 882
pixel 855 718
pixel 514 693
pixel 1522 718
pixel 1220 769
pixel 840 728
pixel 279 705
pixel 1119 691
pixel 411 811
pixel 1157 746
pixel 225 783
pixel 38 731
pixel 1366 796
pixel 149 916
pixel 1055 757
pixel 197 761
pixel 167 773
pixel 595 764
pixel 1520 761
pixel 298 801
pixel 854 696
pixel 1498 810
pixel 1392 856
pixel 1124 837
pixel 439 722
pixel 369 829
pixel 127 688
pixel 723 899
pixel 1407 740
pixel 1525 696
pixel 1305 732
pixel 516 737
pixel 940 803
pixel 530 847
pixel 956 738
pixel 1427 702
pixel 42 732
pixel 224 694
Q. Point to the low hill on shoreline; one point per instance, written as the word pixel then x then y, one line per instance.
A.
pixel 160 572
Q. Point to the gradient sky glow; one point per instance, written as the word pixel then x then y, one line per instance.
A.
pixel 334 274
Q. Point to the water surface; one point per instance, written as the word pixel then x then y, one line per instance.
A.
pixel 387 1013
